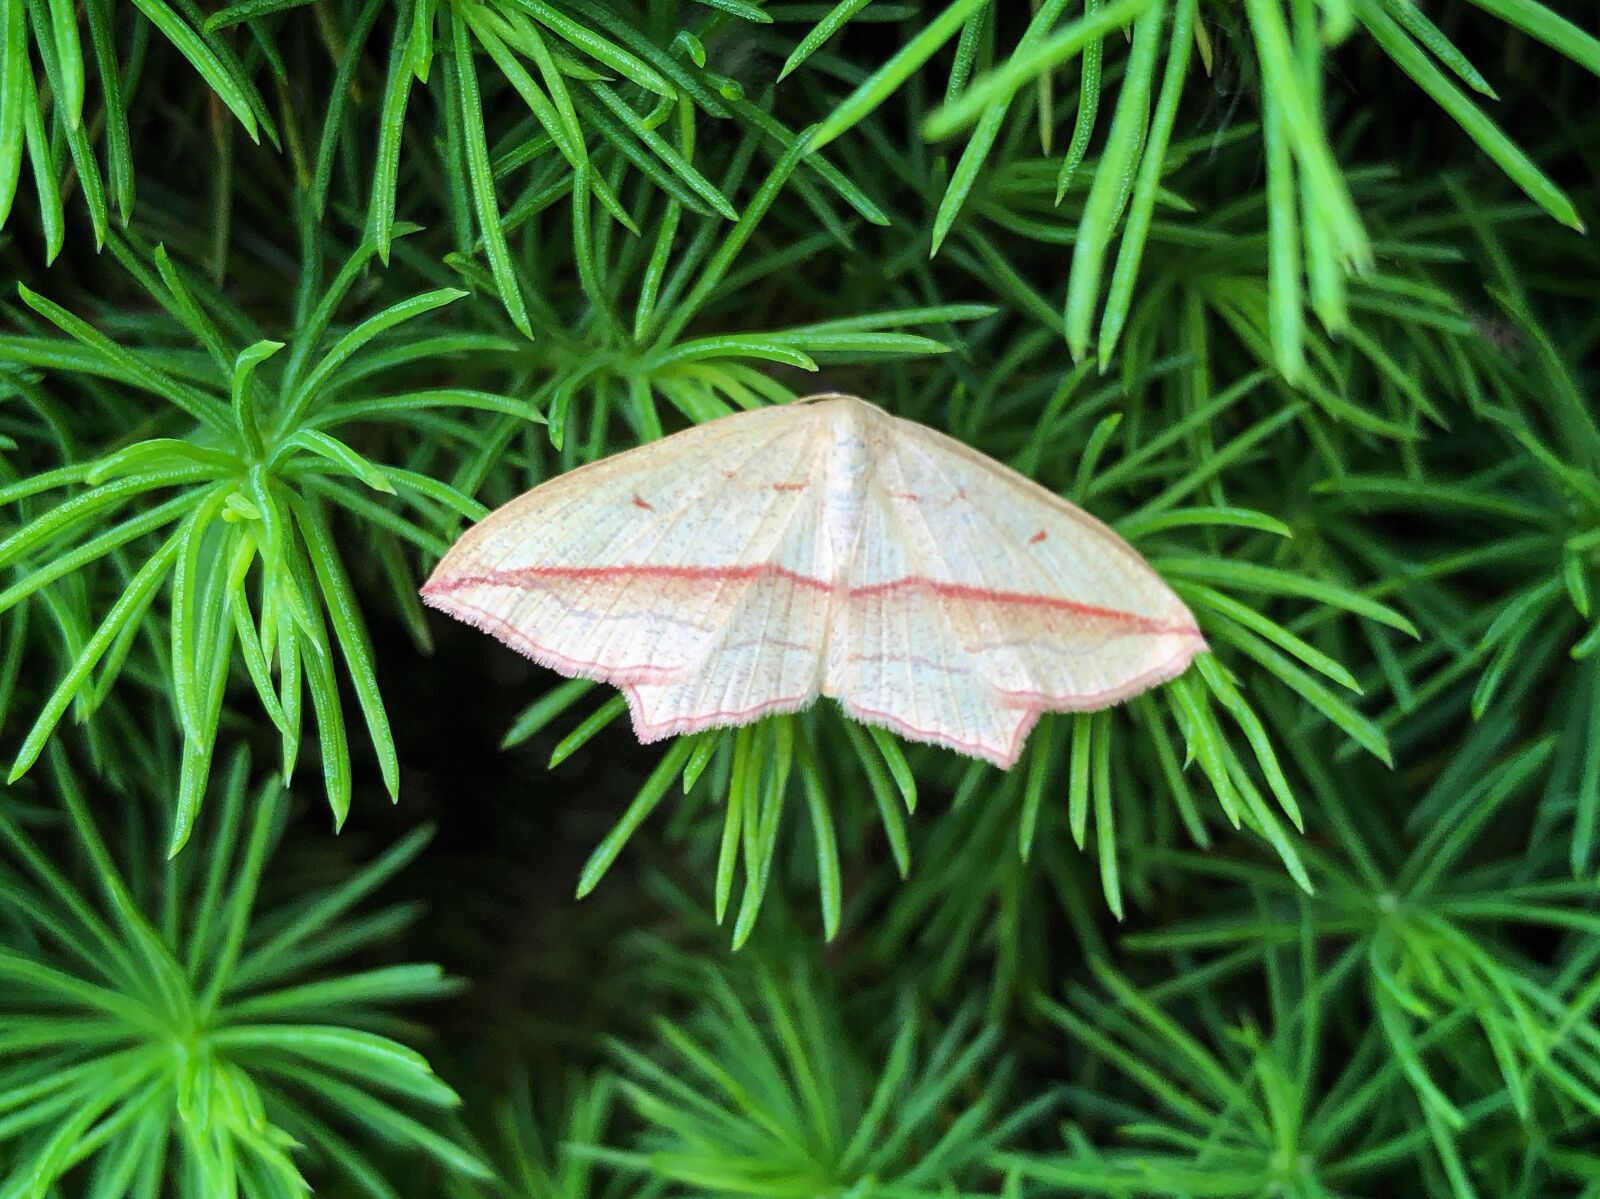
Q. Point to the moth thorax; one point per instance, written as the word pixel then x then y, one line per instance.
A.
pixel 849 462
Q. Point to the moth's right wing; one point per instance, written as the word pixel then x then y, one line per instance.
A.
pixel 639 569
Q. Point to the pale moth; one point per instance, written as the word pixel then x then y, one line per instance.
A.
pixel 745 566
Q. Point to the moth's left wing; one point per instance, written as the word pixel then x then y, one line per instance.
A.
pixel 978 600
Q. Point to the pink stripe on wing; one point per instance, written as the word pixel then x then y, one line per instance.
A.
pixel 944 590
